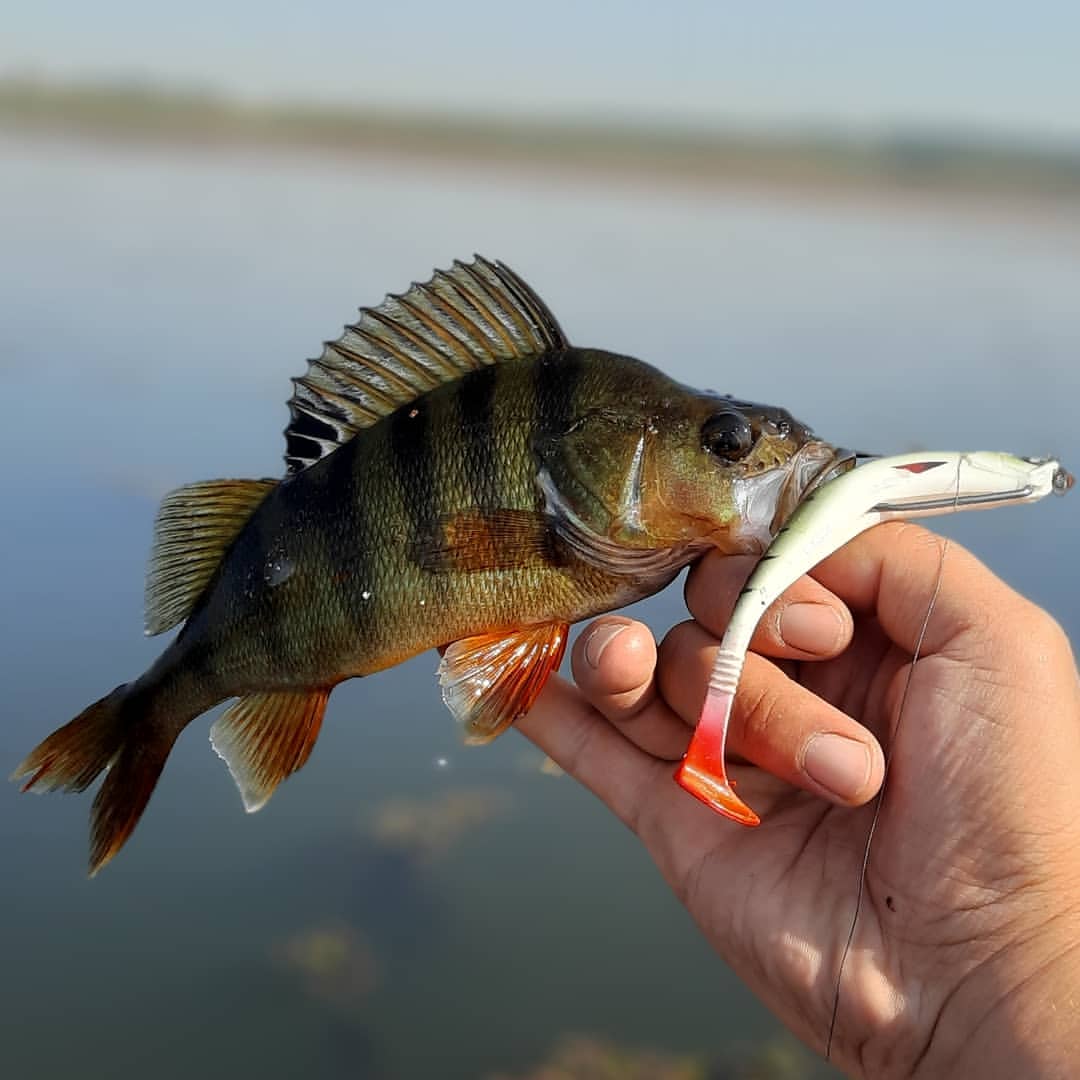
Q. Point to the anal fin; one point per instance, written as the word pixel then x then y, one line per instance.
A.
pixel 491 680
pixel 265 737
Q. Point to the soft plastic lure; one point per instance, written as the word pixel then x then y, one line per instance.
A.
pixel 884 489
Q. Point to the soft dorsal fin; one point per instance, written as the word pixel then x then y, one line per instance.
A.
pixel 472 315
pixel 195 524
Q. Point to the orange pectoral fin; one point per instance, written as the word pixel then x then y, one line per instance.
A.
pixel 489 681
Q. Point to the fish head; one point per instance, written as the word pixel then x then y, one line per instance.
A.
pixel 693 471
pixel 649 464
pixel 731 473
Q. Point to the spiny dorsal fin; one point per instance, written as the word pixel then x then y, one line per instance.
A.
pixel 265 737
pixel 195 524
pixel 464 318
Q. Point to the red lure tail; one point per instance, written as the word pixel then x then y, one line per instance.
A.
pixel 703 773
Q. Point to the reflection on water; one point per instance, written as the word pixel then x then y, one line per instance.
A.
pixel 597 1059
pixel 550 767
pixel 430 828
pixel 334 962
pixel 579 1057
pixel 155 305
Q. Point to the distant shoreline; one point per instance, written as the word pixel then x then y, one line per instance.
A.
pixel 910 164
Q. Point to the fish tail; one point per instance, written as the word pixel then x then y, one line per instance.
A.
pixel 73 756
pixel 118 735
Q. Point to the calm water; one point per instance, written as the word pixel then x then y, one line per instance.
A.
pixel 386 915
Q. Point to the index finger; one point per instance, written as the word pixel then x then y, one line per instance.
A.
pixel 807 623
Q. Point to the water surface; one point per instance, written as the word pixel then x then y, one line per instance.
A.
pixel 155 304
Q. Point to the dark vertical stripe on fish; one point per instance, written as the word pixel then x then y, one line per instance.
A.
pixel 413 456
pixel 476 397
pixel 556 378
pixel 350 566
pixel 259 538
pixel 555 384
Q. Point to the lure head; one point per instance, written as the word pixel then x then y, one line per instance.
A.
pixel 651 464
pixel 1062 481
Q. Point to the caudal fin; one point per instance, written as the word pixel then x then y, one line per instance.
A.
pixel 115 735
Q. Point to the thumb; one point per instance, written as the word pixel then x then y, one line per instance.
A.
pixel 894 571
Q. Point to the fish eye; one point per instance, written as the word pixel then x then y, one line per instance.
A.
pixel 727 435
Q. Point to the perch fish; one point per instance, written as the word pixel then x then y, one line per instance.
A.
pixel 458 474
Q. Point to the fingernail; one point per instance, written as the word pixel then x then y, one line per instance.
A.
pixel 813 628
pixel 838 764
pixel 600 639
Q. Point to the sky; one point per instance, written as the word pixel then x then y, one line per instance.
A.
pixel 983 68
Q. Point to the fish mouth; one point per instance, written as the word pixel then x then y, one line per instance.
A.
pixel 814 465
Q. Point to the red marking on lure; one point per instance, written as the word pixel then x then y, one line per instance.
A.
pixel 919 466
pixel 702 772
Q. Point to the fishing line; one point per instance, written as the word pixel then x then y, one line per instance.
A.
pixel 880 798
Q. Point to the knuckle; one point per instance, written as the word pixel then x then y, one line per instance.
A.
pixel 977 630
pixel 769 630
pixel 757 710
pixel 908 532
pixel 712 587
pixel 678 644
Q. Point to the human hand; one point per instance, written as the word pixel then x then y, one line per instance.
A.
pixel 964 961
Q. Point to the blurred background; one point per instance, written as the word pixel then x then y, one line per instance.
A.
pixel 868 216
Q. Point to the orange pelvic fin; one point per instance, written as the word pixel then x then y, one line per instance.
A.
pixel 265 737
pixel 703 773
pixel 489 681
